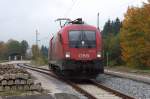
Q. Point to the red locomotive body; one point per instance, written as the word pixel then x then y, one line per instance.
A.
pixel 76 51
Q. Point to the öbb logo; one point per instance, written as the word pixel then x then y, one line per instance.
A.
pixel 83 55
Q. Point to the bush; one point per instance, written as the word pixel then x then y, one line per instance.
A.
pixel 40 61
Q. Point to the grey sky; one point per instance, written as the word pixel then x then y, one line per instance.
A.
pixel 20 18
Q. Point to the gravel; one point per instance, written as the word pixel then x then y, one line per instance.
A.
pixel 130 87
pixel 55 86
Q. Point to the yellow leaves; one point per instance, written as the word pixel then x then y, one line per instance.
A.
pixel 135 36
pixel 35 51
pixel 3 48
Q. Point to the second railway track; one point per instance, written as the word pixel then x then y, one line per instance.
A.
pixel 92 89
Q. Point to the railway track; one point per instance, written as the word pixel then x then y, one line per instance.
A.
pixel 100 91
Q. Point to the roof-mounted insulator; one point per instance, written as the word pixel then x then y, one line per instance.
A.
pixel 77 21
pixel 68 21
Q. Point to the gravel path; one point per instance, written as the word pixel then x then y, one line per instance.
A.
pixel 15 62
pixel 136 89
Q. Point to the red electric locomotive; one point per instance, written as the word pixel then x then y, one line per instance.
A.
pixel 76 51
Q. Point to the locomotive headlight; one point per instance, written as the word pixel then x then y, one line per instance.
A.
pixel 99 55
pixel 67 55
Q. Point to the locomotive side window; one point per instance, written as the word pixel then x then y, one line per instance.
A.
pixel 82 39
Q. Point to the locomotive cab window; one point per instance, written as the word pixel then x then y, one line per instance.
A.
pixel 82 39
pixel 75 35
pixel 89 35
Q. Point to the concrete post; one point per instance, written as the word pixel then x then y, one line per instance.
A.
pixel 21 58
pixel 15 58
pixel 9 58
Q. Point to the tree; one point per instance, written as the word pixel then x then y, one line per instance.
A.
pixel 111 41
pixel 24 47
pixel 111 28
pixel 107 28
pixel 3 51
pixel 44 51
pixel 39 55
pixel 135 36
pixel 116 26
pixel 112 47
pixel 35 51
pixel 14 47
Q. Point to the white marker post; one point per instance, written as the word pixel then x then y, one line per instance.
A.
pixel 9 58
pixel 15 58
pixel 21 58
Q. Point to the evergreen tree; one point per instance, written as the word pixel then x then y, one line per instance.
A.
pixel 107 28
pixel 111 27
pixel 111 41
pixel 117 26
pixel 24 47
pixel 44 51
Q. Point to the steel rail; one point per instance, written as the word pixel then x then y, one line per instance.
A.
pixel 37 67
pixel 117 93
pixel 77 88
pixel 104 87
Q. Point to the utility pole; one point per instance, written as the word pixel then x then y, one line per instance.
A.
pixel 107 55
pixel 37 53
pixel 36 37
pixel 98 20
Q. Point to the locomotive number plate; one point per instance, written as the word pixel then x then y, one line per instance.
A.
pixel 83 55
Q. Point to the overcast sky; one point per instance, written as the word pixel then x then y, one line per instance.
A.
pixel 20 18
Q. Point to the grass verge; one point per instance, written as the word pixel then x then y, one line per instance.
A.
pixel 16 93
pixel 143 71
pixel 2 61
pixel 39 61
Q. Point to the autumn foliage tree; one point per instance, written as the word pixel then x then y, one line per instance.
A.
pixel 35 51
pixel 135 36
pixel 39 55
pixel 3 50
pixel 11 47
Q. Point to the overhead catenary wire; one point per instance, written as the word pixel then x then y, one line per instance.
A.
pixel 65 15
pixel 70 8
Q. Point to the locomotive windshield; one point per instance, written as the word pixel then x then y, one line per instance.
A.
pixel 82 39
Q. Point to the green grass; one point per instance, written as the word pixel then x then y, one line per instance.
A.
pixel 22 93
pixel 145 71
pixel 2 61
pixel 14 93
pixel 39 61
